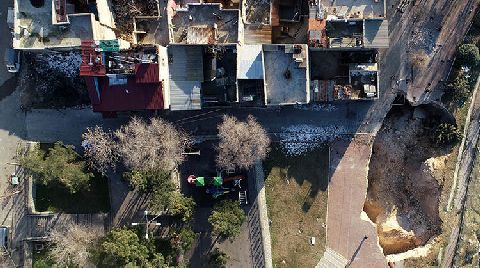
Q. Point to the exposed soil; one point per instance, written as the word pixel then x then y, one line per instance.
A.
pixel 403 194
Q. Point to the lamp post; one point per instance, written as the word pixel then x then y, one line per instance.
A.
pixel 147 222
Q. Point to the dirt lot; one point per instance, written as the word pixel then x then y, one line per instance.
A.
pixel 297 205
pixel 404 192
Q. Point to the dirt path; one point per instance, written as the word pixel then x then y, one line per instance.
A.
pixel 466 158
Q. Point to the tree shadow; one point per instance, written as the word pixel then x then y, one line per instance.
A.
pixel 312 167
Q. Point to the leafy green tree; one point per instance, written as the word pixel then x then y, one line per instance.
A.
pixel 163 194
pixel 218 259
pixel 61 164
pixel 447 134
pixel 159 199
pixel 158 261
pixel 183 239
pixel 226 219
pixel 123 247
pixel 468 54
pixel 148 180
pixel 181 206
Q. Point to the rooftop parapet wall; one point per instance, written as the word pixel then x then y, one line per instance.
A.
pixel 55 25
pixel 350 9
pixel 286 71
pixel 204 24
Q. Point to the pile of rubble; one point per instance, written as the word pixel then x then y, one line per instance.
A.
pixel 125 10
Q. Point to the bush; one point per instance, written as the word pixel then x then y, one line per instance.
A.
pixel 468 54
pixel 218 259
pixel 460 89
pixel 446 134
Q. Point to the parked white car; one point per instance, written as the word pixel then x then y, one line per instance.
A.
pixel 10 18
pixel 12 60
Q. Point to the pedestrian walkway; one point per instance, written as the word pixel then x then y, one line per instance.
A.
pixel 351 236
pixel 332 259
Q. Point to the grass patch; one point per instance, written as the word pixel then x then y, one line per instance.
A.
pixel 297 205
pixel 42 259
pixel 56 198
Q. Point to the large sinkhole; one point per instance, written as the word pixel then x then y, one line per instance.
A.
pixel 403 192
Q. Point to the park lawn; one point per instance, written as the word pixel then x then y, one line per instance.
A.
pixel 56 198
pixel 296 191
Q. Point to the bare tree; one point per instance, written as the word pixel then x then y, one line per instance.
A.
pixel 157 145
pixel 241 143
pixel 72 244
pixel 99 148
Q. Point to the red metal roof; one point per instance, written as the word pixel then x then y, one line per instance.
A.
pixel 147 73
pixel 92 60
pixel 128 97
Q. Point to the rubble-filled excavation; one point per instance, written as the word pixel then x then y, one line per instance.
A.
pixel 403 193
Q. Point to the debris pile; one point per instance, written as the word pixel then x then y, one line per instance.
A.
pixel 317 107
pixel 125 10
pixel 300 139
pixel 66 63
pixel 52 80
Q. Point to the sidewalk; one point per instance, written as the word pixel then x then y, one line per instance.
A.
pixel 347 224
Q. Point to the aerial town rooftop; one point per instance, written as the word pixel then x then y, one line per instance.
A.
pixel 219 53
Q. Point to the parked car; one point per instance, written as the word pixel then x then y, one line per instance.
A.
pixel 10 18
pixel 12 60
pixel 4 237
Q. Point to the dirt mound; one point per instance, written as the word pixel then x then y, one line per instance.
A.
pixel 403 195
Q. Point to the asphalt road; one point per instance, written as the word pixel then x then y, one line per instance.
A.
pixel 12 130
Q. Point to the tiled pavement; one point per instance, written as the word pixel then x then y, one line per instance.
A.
pixel 349 232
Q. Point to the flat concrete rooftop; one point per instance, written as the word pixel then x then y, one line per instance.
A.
pixel 205 24
pixel 32 23
pixel 153 30
pixel 285 80
pixel 354 8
